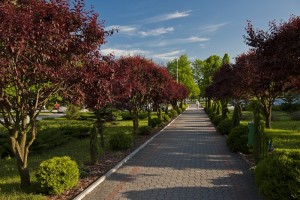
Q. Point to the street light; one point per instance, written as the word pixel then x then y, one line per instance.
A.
pixel 177 70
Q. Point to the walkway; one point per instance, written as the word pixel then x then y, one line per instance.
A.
pixel 188 160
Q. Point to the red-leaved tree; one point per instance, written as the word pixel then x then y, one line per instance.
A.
pixel 42 45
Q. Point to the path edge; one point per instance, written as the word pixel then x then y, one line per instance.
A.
pixel 89 189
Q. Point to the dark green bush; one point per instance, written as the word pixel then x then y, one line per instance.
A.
pixel 237 139
pixel 166 118
pixel 295 116
pixel 73 112
pixel 143 115
pixel 216 119
pixel 179 110
pixel 126 115
pixel 144 130
pixel 56 175
pixel 173 113
pixel 120 141
pixel 155 122
pixel 225 126
pixel 278 176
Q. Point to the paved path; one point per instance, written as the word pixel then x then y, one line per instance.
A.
pixel 188 160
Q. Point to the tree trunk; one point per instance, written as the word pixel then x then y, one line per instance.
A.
pixel 209 102
pixel 22 165
pixel 94 149
pixel 135 120
pixel 268 117
pixel 159 113
pixel 24 174
pixel 167 109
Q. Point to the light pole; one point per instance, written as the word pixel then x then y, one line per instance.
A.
pixel 177 70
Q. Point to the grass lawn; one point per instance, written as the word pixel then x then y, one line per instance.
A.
pixel 285 132
pixel 77 149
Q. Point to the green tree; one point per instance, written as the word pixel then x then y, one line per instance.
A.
pixel 204 72
pixel 181 70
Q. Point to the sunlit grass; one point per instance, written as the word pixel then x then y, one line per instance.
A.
pixel 77 149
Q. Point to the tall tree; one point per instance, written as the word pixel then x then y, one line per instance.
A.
pixel 206 70
pixel 139 82
pixel 276 66
pixel 185 74
pixel 42 44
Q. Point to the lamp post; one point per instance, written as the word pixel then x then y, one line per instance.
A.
pixel 177 70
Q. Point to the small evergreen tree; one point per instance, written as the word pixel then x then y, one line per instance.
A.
pixel 236 116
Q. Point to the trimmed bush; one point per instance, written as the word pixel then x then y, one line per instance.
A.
pixel 155 122
pixel 73 112
pixel 173 113
pixel 143 115
pixel 144 130
pixel 238 138
pixel 179 110
pixel 57 175
pixel 126 115
pixel 225 126
pixel 216 119
pixel 166 118
pixel 278 176
pixel 120 141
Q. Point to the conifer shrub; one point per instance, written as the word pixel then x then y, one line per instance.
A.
pixel 237 139
pixel 73 112
pixel 278 176
pixel 216 119
pixel 120 141
pixel 225 126
pixel 173 113
pixel 179 110
pixel 166 118
pixel 155 122
pixel 57 175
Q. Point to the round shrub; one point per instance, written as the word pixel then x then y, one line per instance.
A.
pixel 179 110
pixel 225 126
pixel 155 122
pixel 120 141
pixel 278 176
pixel 173 113
pixel 238 138
pixel 166 118
pixel 73 112
pixel 126 115
pixel 57 175
pixel 144 130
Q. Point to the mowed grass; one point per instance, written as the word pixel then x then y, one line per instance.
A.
pixel 285 132
pixel 77 149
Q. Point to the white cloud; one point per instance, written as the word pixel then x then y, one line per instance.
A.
pixel 168 16
pixel 156 32
pixel 129 30
pixel 123 52
pixel 168 56
pixel 213 27
pixel 192 39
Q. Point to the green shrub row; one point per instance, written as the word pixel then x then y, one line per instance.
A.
pixel 278 175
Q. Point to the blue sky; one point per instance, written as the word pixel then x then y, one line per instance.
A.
pixel 165 29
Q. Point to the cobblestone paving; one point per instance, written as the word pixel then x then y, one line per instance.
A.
pixel 188 160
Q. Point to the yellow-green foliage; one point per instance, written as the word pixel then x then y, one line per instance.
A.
pixel 57 175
